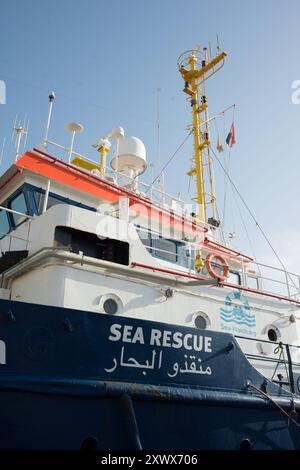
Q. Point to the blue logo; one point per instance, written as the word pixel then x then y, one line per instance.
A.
pixel 238 314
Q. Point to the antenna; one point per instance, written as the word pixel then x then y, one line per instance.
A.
pixel 74 128
pixel 160 180
pixel 2 151
pixel 27 130
pixel 13 128
pixel 196 68
pixel 20 131
pixel 103 146
pixel 218 45
pixel 152 178
pixel 44 143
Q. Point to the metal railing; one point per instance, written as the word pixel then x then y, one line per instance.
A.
pixel 147 190
pixel 267 279
pixel 282 361
pixel 273 280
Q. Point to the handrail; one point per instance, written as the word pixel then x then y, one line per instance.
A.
pixel 269 359
pixel 225 284
pixel 267 341
pixel 2 208
pixel 120 189
pixel 260 276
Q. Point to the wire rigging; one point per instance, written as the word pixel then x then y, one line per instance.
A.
pixel 170 159
pixel 254 219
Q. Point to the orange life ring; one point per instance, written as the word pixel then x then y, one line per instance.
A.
pixel 210 270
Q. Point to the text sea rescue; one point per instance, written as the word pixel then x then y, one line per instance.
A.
pixel 165 338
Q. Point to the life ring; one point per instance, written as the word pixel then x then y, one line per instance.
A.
pixel 210 270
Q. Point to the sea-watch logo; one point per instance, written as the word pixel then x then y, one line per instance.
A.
pixel 237 311
pixel 2 92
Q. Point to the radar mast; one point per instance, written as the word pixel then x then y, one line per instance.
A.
pixel 196 67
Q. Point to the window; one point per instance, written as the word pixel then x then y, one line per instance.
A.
pixel 234 278
pixel 18 204
pixel 52 201
pixel 170 250
pixel 272 334
pixel 252 282
pixel 110 306
pixel 200 322
pixel 4 224
pixel 145 236
pixel 39 200
pixel 166 249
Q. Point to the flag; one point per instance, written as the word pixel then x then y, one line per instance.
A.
pixel 230 140
pixel 220 147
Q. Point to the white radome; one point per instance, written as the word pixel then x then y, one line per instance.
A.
pixel 131 155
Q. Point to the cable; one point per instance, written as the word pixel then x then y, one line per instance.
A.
pixel 254 219
pixel 275 403
pixel 170 159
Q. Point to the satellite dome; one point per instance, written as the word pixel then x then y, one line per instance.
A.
pixel 131 156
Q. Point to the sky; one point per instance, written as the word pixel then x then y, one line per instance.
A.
pixel 105 60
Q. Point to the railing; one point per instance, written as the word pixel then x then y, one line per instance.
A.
pixel 147 190
pixel 285 362
pixel 9 234
pixel 268 280
pixel 273 280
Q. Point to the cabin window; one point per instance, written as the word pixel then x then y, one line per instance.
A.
pixel 252 282
pixel 234 278
pixel 166 249
pixel 4 224
pixel 18 204
pixel 145 236
pixel 200 322
pixel 39 201
pixel 53 199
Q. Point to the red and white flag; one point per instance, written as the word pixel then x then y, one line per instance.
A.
pixel 230 140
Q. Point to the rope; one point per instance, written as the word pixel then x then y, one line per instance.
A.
pixel 275 403
pixel 281 355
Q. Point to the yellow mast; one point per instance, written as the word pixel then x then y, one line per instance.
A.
pixel 194 77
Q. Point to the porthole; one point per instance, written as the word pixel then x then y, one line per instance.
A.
pixel 89 443
pixel 272 335
pixel 201 321
pixel 246 444
pixel 110 304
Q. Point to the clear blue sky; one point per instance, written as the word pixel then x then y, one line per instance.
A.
pixel 106 59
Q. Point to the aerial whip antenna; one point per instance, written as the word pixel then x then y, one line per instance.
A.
pixel 2 150
pixel 44 143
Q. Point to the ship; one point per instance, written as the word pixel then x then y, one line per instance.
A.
pixel 127 320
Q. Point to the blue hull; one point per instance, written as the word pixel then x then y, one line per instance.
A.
pixel 70 379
